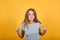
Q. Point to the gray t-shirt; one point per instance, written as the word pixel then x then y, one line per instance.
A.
pixel 32 32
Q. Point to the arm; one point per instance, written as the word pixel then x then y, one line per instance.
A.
pixel 21 35
pixel 42 32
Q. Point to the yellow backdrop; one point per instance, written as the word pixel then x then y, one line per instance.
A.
pixel 12 14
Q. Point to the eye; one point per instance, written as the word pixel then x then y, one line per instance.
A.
pixel 29 14
pixel 32 14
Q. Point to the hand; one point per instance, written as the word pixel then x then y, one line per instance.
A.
pixel 45 28
pixel 17 30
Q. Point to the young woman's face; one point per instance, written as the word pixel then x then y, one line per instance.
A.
pixel 31 15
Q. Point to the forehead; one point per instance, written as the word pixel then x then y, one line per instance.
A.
pixel 30 12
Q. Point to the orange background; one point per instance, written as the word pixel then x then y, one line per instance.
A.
pixel 12 14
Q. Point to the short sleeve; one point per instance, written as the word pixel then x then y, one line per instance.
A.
pixel 39 25
pixel 22 26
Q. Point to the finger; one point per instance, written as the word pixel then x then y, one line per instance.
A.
pixel 45 28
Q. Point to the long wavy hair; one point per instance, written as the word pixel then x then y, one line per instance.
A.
pixel 26 21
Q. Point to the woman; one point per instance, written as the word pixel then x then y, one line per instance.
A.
pixel 31 26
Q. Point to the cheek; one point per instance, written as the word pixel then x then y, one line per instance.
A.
pixel 33 17
pixel 29 17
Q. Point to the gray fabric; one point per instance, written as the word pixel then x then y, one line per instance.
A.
pixel 32 37
pixel 32 32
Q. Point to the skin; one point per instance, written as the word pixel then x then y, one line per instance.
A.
pixel 31 18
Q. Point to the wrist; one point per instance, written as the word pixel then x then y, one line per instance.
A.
pixel 17 31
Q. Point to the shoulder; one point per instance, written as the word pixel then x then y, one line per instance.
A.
pixel 23 23
pixel 38 23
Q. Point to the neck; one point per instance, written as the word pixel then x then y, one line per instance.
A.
pixel 31 22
